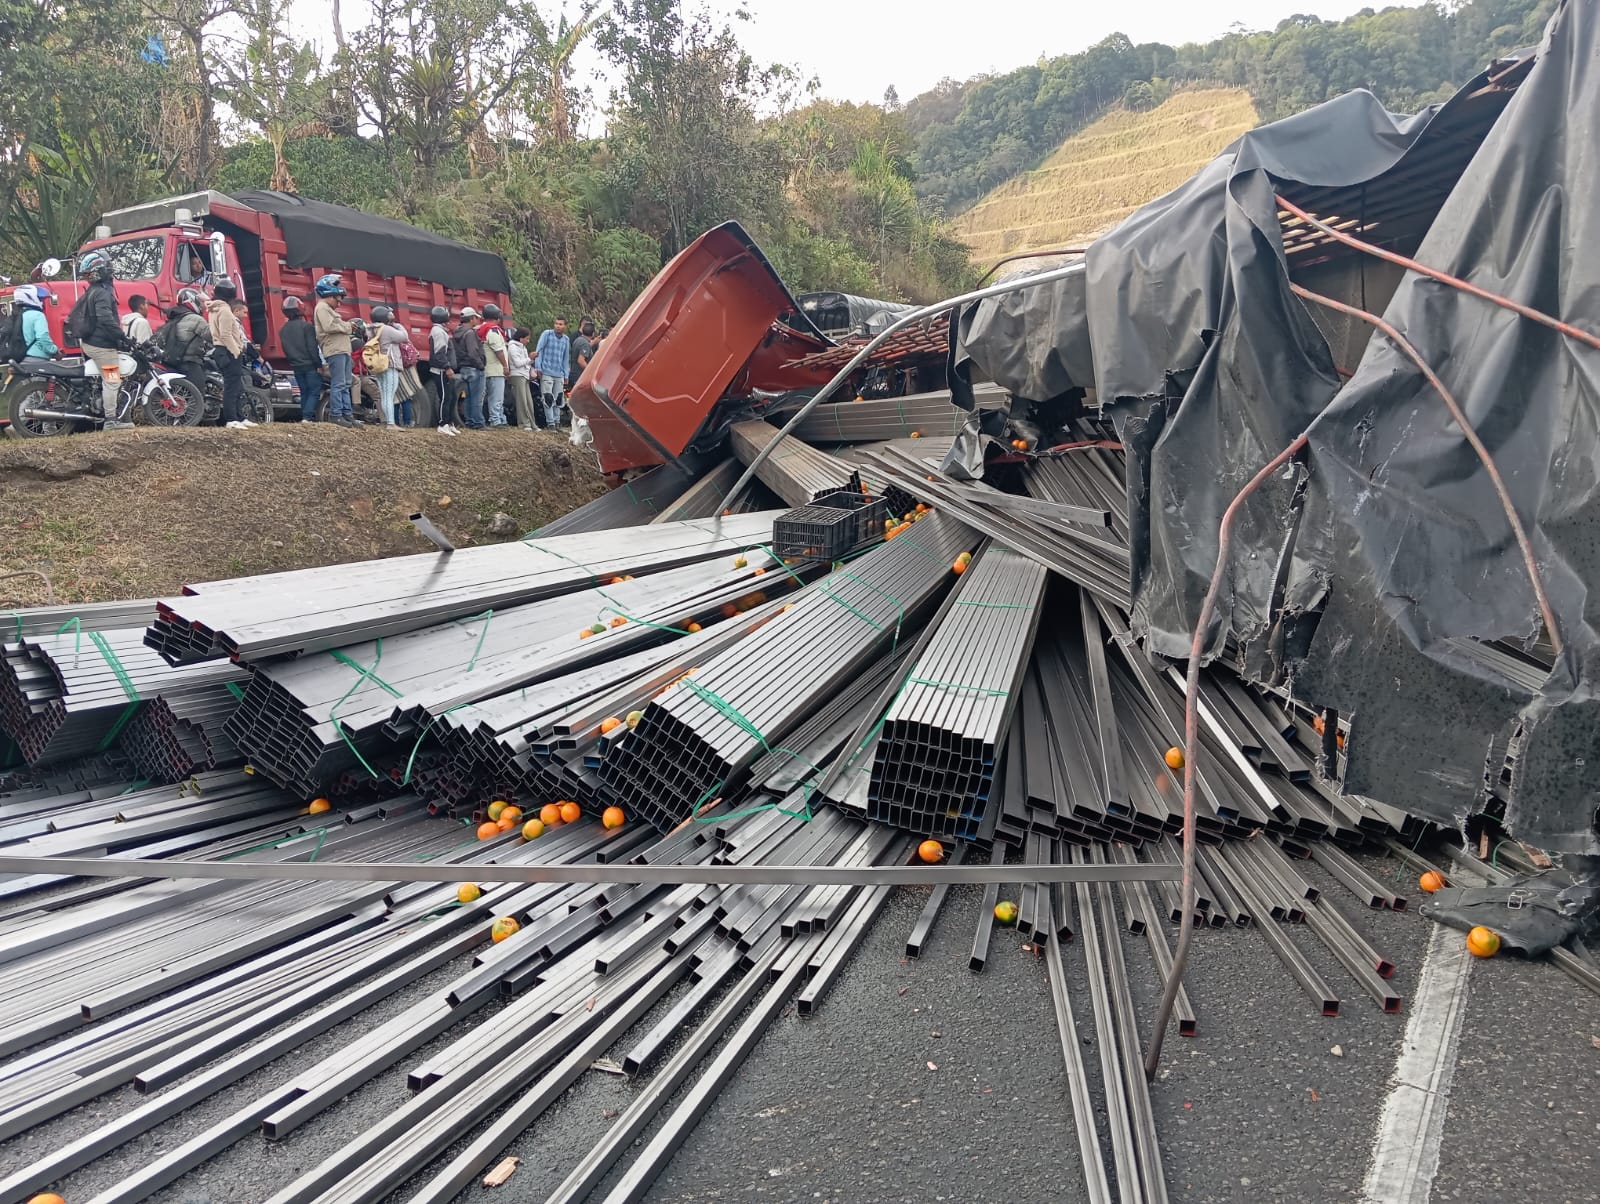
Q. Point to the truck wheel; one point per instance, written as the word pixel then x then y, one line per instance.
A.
pixel 21 399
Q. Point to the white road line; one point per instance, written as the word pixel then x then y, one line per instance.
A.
pixel 1405 1155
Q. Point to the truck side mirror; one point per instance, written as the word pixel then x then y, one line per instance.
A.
pixel 219 255
pixel 50 268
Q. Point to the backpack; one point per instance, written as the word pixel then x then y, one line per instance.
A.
pixel 12 345
pixel 408 354
pixel 77 320
pixel 373 356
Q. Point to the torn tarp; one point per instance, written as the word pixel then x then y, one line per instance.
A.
pixel 1366 571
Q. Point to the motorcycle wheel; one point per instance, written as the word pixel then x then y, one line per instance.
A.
pixel 189 407
pixel 258 405
pixel 25 396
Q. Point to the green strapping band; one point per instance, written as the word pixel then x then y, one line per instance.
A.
pixel 126 682
pixel 997 605
pixel 422 735
pixel 322 835
pixel 955 685
pixel 537 547
pixel 893 601
pixel 725 708
pixel 17 615
pixel 487 617
pixel 235 689
pixel 77 626
pixel 364 674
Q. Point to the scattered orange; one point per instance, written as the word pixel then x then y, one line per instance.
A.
pixel 628 577
pixel 1338 739
pixel 609 724
pixel 1319 725
pixel 615 581
pixel 514 814
pixel 916 434
pixel 1431 881
pixel 318 806
pixel 598 629
pixel 613 817
pixel 729 610
pixel 47 1197
pixel 693 627
pixel 618 621
pixel 740 562
pixel 496 807
pixel 1174 758
pixel 570 813
pixel 503 927
pixel 931 851
pixel 488 831
pixel 1020 444
pixel 585 634
pixel 468 892
pixel 633 719
pixel 1006 912
pixel 504 824
pixel 759 573
pixel 550 814
pixel 533 829
pixel 958 567
pixel 1483 942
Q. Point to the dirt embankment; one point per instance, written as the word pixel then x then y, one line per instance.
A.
pixel 139 513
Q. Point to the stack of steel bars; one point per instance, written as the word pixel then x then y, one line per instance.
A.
pixel 942 736
pixel 694 740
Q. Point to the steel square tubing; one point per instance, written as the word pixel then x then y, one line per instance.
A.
pixel 1288 953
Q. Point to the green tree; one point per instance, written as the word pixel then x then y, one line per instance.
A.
pixel 685 125
pixel 554 49
pixel 192 21
pixel 275 83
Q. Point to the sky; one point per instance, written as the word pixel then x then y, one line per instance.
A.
pixel 909 44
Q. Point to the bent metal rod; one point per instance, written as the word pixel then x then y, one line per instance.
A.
pixel 670 875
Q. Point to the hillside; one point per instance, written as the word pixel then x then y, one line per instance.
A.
pixel 140 513
pixel 1100 175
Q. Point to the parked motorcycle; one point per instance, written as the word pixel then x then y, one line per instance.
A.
pixel 55 397
pixel 258 389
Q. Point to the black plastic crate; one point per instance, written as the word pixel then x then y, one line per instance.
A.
pixel 832 526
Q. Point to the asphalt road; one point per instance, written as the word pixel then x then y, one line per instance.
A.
pixel 844 1106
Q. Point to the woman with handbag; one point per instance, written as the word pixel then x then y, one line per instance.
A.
pixel 382 359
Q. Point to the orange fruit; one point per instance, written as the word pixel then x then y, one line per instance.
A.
pixel 1431 881
pixel 503 927
pixel 468 892
pixel 504 824
pixel 759 573
pixel 609 724
pixel 585 634
pixel 598 629
pixel 1338 740
pixel 1006 912
pixel 514 814
pixel 628 577
pixel 693 627
pixel 496 807
pixel 318 806
pixel 958 567
pixel 931 851
pixel 633 719
pixel 550 814
pixel 740 562
pixel 570 812
pixel 1174 758
pixel 1483 942
pixel 729 610
pixel 916 434
pixel 47 1197
pixel 613 817
pixel 533 829
pixel 618 621
pixel 1319 725
pixel 488 831
pixel 615 581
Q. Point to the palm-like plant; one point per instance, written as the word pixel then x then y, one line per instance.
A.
pixel 555 49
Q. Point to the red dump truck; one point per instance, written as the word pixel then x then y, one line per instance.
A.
pixel 275 245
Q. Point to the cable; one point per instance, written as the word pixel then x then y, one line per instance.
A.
pixel 1516 307
pixel 1191 717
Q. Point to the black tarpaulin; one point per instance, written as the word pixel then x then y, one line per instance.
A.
pixel 1365 572
pixel 320 235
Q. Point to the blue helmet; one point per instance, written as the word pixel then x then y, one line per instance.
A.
pixel 96 265
pixel 331 285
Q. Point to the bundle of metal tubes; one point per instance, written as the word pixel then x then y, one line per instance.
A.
pixel 180 732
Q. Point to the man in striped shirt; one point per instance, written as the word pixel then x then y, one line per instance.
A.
pixel 551 366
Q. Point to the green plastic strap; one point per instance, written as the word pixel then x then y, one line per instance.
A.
pixel 126 682
pixel 77 626
pixel 997 605
pixel 139 785
pixel 365 673
pixel 321 833
pixel 116 728
pixel 17 615
pixel 620 613
pixel 893 601
pixel 235 689
pixel 955 685
pixel 725 708
pixel 422 735
pixel 539 547
pixel 904 538
pixel 487 617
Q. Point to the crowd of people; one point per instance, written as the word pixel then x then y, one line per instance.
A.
pixel 477 370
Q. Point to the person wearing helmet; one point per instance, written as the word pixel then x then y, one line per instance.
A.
pixel 185 338
pixel 469 367
pixel 384 364
pixel 442 371
pixel 492 333
pixel 35 333
pixel 299 343
pixel 333 340
pixel 227 353
pixel 95 322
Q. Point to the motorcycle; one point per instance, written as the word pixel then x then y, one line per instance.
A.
pixel 258 389
pixel 55 397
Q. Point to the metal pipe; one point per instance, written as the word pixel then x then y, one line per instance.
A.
pixel 428 531
pixel 872 344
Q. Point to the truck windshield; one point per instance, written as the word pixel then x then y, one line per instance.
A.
pixel 137 258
